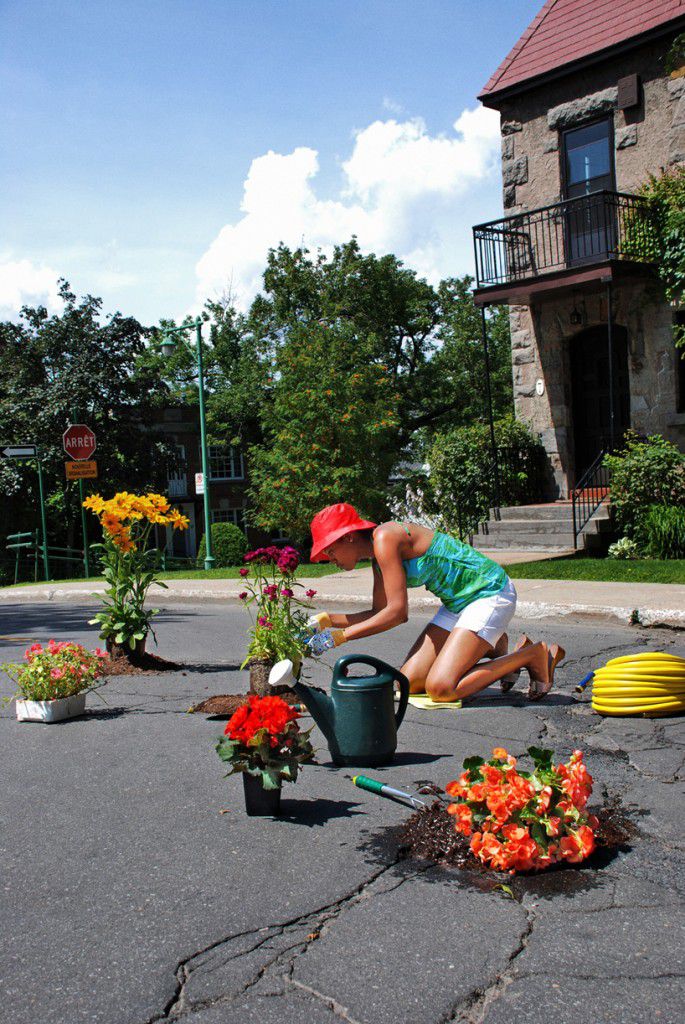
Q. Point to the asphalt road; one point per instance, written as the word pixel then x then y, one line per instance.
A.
pixel 128 897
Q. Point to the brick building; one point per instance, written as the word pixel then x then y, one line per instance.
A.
pixel 228 484
pixel 588 111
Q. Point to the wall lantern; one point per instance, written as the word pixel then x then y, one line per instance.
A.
pixel 576 316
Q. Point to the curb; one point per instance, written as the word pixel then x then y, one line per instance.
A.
pixel 670 618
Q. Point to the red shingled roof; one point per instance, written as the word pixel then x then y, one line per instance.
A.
pixel 569 30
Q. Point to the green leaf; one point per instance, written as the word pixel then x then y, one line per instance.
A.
pixel 270 779
pixel 541 756
pixel 539 833
pixel 471 763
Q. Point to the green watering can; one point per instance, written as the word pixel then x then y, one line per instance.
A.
pixel 359 719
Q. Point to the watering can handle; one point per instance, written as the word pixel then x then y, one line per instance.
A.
pixel 404 697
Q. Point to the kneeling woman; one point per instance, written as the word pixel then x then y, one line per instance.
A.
pixel 478 602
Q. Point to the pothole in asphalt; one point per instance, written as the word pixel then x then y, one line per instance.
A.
pixel 146 664
pixel 223 705
pixel 428 835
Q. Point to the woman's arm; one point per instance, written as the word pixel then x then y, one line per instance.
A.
pixel 378 602
pixel 389 590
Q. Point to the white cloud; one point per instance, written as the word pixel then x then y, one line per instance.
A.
pixel 404 191
pixel 24 283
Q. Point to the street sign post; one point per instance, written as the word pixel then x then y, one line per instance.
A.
pixel 29 453
pixel 78 441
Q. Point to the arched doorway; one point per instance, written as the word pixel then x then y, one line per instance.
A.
pixel 590 388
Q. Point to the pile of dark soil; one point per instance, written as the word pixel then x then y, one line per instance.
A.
pixel 223 705
pixel 430 835
pixel 146 664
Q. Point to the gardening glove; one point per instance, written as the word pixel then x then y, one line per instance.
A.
pixel 315 624
pixel 325 641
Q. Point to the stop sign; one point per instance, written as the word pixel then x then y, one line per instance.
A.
pixel 79 441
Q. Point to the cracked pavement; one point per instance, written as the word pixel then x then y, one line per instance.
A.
pixel 128 897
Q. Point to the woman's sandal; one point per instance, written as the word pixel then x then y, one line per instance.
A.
pixel 556 654
pixel 506 682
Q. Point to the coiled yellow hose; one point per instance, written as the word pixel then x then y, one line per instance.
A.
pixel 649 684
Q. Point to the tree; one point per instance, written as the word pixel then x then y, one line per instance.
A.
pixel 76 366
pixel 329 431
pixel 461 359
pixel 421 345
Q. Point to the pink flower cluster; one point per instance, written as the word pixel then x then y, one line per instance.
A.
pixel 56 647
pixel 60 669
pixel 286 559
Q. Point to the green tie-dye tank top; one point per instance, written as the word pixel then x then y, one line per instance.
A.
pixel 455 572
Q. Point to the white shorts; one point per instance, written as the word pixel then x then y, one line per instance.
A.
pixel 487 616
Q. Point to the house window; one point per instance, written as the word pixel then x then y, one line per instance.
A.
pixel 229 515
pixel 177 481
pixel 590 219
pixel 225 463
pixel 587 155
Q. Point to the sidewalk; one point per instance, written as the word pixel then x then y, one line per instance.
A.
pixel 651 604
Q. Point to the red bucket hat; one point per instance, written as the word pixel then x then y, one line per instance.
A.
pixel 332 523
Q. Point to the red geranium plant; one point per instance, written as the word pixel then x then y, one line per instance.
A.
pixel 263 739
pixel 524 821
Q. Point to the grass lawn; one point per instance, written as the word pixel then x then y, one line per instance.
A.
pixel 306 570
pixel 607 570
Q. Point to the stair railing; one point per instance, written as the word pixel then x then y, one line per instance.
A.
pixel 589 493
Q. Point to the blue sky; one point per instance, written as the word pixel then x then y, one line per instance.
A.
pixel 131 130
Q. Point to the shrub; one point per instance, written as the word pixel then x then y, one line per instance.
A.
pixel 649 471
pixel 661 531
pixel 461 473
pixel 229 544
pixel 663 240
pixel 624 548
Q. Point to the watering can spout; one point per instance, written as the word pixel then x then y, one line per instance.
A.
pixel 319 704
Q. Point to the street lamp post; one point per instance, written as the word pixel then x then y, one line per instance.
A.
pixel 167 349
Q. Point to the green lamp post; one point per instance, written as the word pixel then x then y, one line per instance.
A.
pixel 168 346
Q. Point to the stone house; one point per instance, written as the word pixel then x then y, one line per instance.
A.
pixel 588 111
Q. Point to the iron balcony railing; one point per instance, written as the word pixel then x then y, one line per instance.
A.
pixel 571 234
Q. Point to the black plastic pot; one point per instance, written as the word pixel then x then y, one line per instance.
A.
pixel 260 801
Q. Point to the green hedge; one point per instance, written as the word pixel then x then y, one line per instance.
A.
pixel 229 544
pixel 461 483
pixel 647 471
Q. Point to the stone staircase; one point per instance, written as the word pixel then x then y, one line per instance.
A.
pixel 544 528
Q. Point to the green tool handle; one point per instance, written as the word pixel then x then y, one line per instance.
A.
pixel 372 785
pixel 389 792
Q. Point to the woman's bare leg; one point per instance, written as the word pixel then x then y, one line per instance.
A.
pixel 456 674
pixel 423 653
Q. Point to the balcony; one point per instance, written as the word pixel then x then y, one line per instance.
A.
pixel 562 245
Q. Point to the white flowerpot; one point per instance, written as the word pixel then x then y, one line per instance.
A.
pixel 51 710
